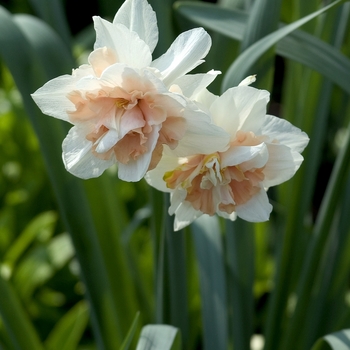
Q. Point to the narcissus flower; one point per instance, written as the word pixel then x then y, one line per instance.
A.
pixel 263 151
pixel 121 103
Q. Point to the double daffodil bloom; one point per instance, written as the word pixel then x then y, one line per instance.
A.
pixel 121 103
pixel 263 151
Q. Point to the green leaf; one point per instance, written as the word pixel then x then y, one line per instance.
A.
pixel 263 19
pixel 41 263
pixel 321 233
pixel 334 341
pixel 16 321
pixel 128 339
pixel 242 66
pixel 230 23
pixel 69 329
pixel 298 45
pixel 159 337
pixel 30 66
pixel 240 257
pixel 210 257
pixel 52 13
pixel 43 224
pixel 175 279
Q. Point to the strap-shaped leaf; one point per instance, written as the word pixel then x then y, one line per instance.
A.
pixel 297 45
pixel 334 341
pixel 210 256
pixel 159 337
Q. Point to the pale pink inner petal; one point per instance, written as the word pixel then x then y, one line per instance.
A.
pixel 102 58
pixel 131 119
pixel 173 130
pixel 211 188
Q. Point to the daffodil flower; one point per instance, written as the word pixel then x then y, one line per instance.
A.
pixel 124 106
pixel 263 151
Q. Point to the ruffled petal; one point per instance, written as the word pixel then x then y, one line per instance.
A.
pixel 185 53
pixel 257 209
pixel 78 157
pixel 282 164
pixel 285 133
pixel 136 169
pixel 128 46
pixel 138 16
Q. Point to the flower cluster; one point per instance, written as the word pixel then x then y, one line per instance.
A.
pixel 214 154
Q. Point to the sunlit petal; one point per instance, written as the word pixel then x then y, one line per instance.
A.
pixel 128 46
pixel 138 16
pixel 185 53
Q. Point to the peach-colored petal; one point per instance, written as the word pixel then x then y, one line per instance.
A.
pixel 102 58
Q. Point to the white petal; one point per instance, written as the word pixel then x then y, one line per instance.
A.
pixel 138 16
pixel 282 164
pixel 52 97
pixel 78 157
pixel 177 197
pixel 248 80
pixel 205 99
pixel 240 108
pixel 257 155
pixel 284 132
pixel 184 215
pixel 257 209
pixel 128 46
pixel 135 170
pixel 192 84
pixel 223 214
pixel 202 136
pixel 155 176
pixel 107 141
pixel 185 53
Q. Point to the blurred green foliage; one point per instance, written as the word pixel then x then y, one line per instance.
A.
pixel 257 275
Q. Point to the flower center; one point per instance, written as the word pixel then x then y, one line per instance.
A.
pixel 210 187
pixel 121 102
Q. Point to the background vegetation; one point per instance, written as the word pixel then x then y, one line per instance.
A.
pixel 80 259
